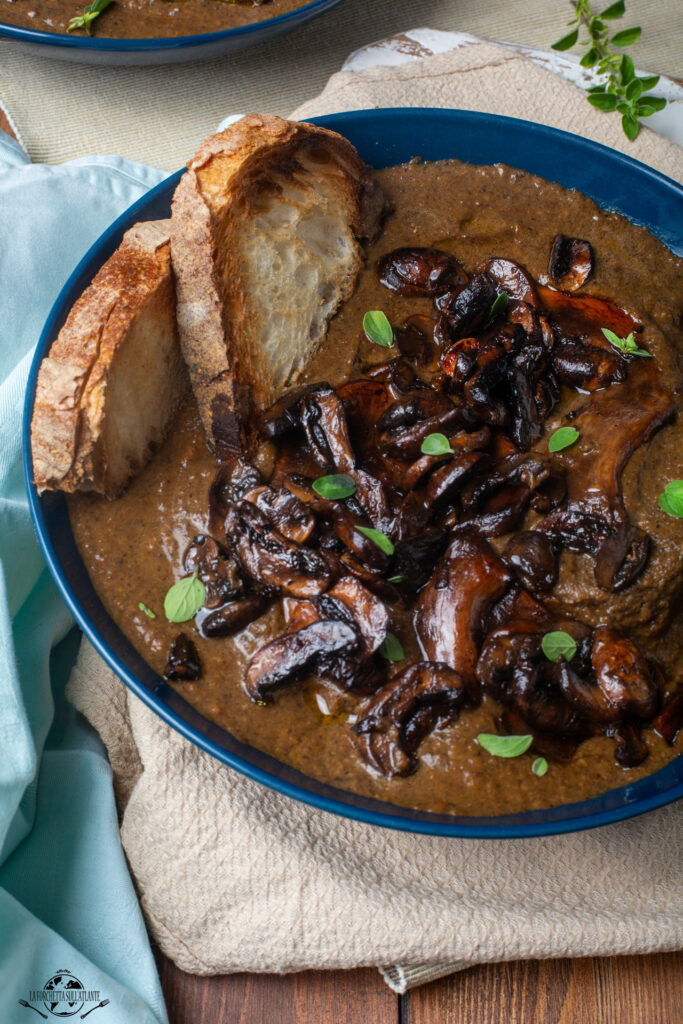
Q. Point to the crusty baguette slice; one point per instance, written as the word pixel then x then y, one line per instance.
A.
pixel 265 242
pixel 114 375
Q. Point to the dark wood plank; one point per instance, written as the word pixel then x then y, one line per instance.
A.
pixel 618 990
pixel 312 997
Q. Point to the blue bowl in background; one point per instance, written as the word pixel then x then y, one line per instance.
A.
pixel 382 137
pixel 173 50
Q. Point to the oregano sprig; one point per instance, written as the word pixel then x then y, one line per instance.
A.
pixel 90 12
pixel 622 91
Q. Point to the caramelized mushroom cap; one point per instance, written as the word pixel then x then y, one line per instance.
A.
pixel 350 601
pixel 612 425
pixel 415 341
pixel 631 749
pixel 285 511
pixel 293 655
pixel 324 421
pixel 183 660
pixel 623 674
pixel 283 415
pixel 531 555
pixel 669 721
pixel 215 568
pixel 571 262
pixel 269 558
pixel 512 278
pixel 450 614
pixel 421 271
pixel 233 479
pixel 404 711
pixel 233 617
pixel 466 310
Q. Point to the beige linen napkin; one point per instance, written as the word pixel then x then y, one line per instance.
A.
pixel 234 877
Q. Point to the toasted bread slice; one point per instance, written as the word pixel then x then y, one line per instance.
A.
pixel 265 241
pixel 114 375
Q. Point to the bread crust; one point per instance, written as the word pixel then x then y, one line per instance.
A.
pixel 231 174
pixel 71 405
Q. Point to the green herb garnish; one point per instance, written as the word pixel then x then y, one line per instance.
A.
pixel 396 579
pixel 90 12
pixel 626 345
pixel 378 538
pixel 504 746
pixel 671 499
pixel 540 766
pixel 622 90
pixel 378 329
pixel 184 599
pixel 148 611
pixel 562 438
pixel 436 444
pixel 335 487
pixel 392 649
pixel 558 644
pixel 499 304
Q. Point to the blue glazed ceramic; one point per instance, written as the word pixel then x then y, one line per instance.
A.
pixel 383 137
pixel 97 50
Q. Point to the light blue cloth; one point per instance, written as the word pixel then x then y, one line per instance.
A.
pixel 67 903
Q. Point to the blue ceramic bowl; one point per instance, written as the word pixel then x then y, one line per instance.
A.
pixel 96 50
pixel 383 137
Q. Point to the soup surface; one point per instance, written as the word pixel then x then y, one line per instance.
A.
pixel 134 546
pixel 145 19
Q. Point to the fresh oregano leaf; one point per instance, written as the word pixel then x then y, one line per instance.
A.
pixel 591 58
pixel 540 767
pixel 148 611
pixel 334 487
pixel 647 105
pixel 648 82
pixel 378 538
pixel 603 101
pixel 671 499
pixel 630 126
pixel 566 42
pixel 627 68
pixel 396 579
pixel 436 444
pixel 184 599
pixel 392 649
pixel 634 89
pixel 504 746
pixel 499 304
pixel 627 37
pixel 616 10
pixel 378 329
pixel 562 438
pixel 558 644
pixel 626 345
pixel 90 12
pixel 670 505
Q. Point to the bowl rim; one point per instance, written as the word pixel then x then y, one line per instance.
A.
pixel 156 44
pixel 337 801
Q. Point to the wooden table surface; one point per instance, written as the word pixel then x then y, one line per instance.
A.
pixel 617 990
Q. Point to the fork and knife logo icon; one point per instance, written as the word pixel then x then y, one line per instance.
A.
pixel 63 995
